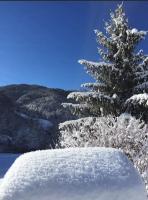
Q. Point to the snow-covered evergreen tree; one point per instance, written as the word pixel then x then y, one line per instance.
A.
pixel 121 85
pixel 121 75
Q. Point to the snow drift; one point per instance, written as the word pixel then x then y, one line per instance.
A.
pixel 72 174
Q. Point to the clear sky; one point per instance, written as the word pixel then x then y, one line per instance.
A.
pixel 41 42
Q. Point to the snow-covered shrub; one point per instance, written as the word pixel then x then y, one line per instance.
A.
pixel 73 174
pixel 123 132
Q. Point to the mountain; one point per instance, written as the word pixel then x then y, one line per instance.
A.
pixel 30 115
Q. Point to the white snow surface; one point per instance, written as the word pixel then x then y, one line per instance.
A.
pixel 1 180
pixel 96 95
pixel 134 30
pixel 139 99
pixel 72 174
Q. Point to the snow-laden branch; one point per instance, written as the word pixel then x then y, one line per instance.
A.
pixel 94 86
pixel 88 96
pixel 138 99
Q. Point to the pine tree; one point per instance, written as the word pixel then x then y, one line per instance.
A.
pixel 121 85
pixel 121 76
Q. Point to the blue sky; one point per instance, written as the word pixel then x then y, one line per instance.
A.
pixel 40 42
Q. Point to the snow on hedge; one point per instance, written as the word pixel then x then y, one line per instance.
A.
pixel 124 132
pixel 72 174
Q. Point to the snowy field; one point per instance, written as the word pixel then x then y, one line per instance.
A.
pixel 72 174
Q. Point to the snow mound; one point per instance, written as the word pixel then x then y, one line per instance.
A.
pixel 1 180
pixel 72 174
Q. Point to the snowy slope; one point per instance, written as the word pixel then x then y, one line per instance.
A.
pixel 31 112
pixel 72 174
pixel 45 124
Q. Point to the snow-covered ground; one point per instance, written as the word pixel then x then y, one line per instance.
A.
pixel 1 180
pixel 72 174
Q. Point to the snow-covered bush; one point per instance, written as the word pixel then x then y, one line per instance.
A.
pixel 123 132
pixel 73 174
